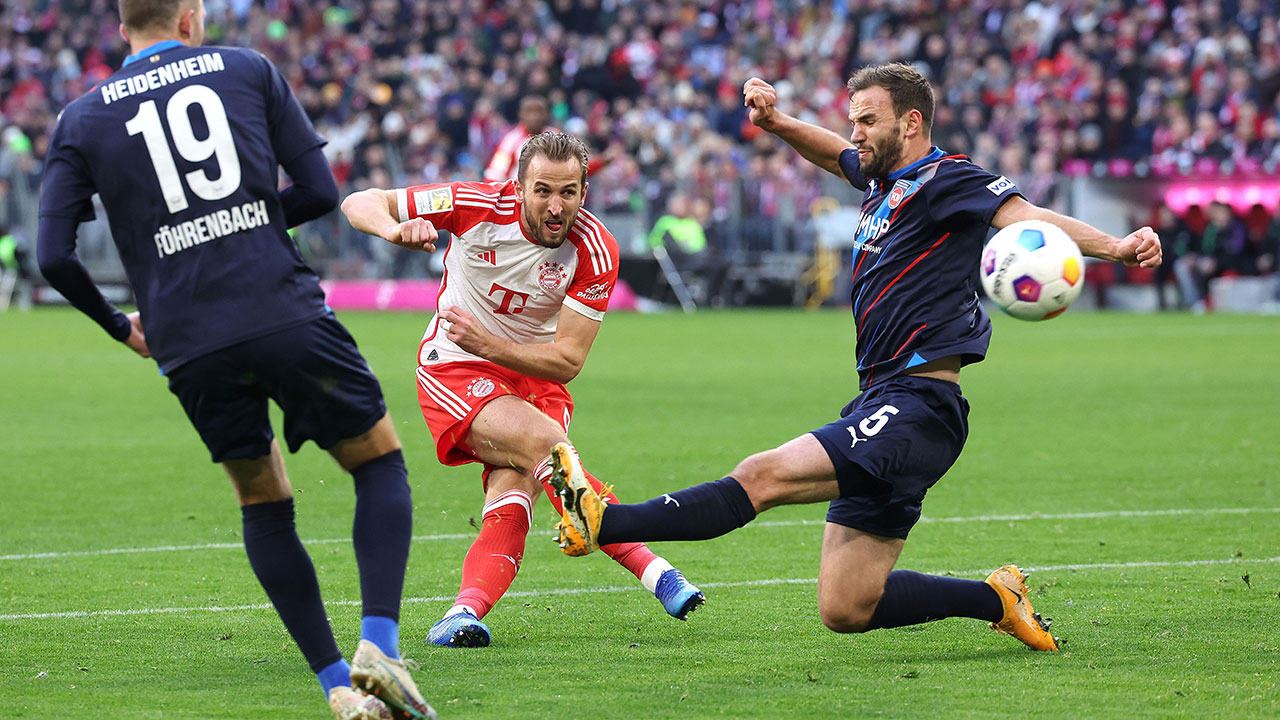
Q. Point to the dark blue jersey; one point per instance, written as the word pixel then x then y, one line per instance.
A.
pixel 183 145
pixel 915 258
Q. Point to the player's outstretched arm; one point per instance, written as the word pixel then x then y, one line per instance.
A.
pixel 1140 247
pixel 818 145
pixel 559 361
pixel 374 212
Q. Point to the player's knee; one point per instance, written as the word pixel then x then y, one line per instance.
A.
pixel 848 614
pixel 763 477
pixel 847 618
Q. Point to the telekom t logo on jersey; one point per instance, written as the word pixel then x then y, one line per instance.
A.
pixel 509 296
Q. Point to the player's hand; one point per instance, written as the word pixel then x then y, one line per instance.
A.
pixel 761 98
pixel 466 332
pixel 415 234
pixel 1140 247
pixel 137 340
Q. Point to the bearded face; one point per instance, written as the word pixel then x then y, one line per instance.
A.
pixel 551 194
pixel 878 132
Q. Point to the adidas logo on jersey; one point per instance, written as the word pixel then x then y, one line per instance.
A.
pixel 489 256
pixel 433 356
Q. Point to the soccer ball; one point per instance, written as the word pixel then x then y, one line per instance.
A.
pixel 1032 270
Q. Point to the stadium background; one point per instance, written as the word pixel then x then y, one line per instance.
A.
pixel 1108 109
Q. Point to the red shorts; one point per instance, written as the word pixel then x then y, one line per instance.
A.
pixel 452 393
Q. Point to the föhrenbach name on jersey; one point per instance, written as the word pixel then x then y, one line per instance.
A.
pixel 157 78
pixel 176 238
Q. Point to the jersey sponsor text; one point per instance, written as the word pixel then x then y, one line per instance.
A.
pixel 166 74
pixel 872 227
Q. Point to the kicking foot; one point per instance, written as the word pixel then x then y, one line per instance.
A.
pixel 579 525
pixel 461 629
pixel 388 680
pixel 1019 619
pixel 679 596
pixel 347 704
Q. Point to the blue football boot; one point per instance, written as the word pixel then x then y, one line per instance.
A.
pixel 460 629
pixel 677 595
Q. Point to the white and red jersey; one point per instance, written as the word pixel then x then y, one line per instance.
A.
pixel 503 164
pixel 514 287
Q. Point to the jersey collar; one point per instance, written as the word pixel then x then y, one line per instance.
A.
pixel 934 154
pixel 158 47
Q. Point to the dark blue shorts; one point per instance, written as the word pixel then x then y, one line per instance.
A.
pixel 892 443
pixel 313 371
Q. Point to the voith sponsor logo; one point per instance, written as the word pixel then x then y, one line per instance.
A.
pixel 551 275
pixel 999 185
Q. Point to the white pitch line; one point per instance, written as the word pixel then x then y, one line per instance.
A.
pixel 764 523
pixel 624 588
pixel 206 546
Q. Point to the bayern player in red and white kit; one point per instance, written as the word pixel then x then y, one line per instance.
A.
pixel 527 280
pixel 533 115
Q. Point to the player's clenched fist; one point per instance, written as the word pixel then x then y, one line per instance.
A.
pixel 1141 247
pixel 415 234
pixel 761 98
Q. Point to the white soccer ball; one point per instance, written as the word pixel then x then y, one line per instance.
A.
pixel 1032 270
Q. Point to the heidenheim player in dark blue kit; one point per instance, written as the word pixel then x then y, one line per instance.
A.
pixel 924 220
pixel 183 145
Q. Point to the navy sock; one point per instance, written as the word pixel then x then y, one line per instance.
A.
pixel 381 533
pixel 911 598
pixel 286 573
pixel 697 513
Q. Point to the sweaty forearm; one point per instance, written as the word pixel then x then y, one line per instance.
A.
pixel 367 212
pixel 816 144
pixel 547 361
pixel 1092 241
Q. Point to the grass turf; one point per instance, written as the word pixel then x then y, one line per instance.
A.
pixel 1093 420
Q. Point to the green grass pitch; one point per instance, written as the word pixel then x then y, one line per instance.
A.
pixel 1135 461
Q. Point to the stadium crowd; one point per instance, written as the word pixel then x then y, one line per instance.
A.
pixel 411 92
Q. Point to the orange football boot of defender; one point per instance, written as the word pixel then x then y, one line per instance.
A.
pixel 1019 619
pixel 583 507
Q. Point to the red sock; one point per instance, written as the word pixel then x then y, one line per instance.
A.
pixel 635 557
pixel 494 557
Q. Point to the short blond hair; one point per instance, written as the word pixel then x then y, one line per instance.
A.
pixel 556 147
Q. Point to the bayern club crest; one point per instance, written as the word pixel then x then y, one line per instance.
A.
pixel 480 387
pixel 550 275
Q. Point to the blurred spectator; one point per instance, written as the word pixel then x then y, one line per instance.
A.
pixel 1221 248
pixel 681 234
pixel 1177 241
pixel 1262 236
pixel 429 91
pixel 1224 246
